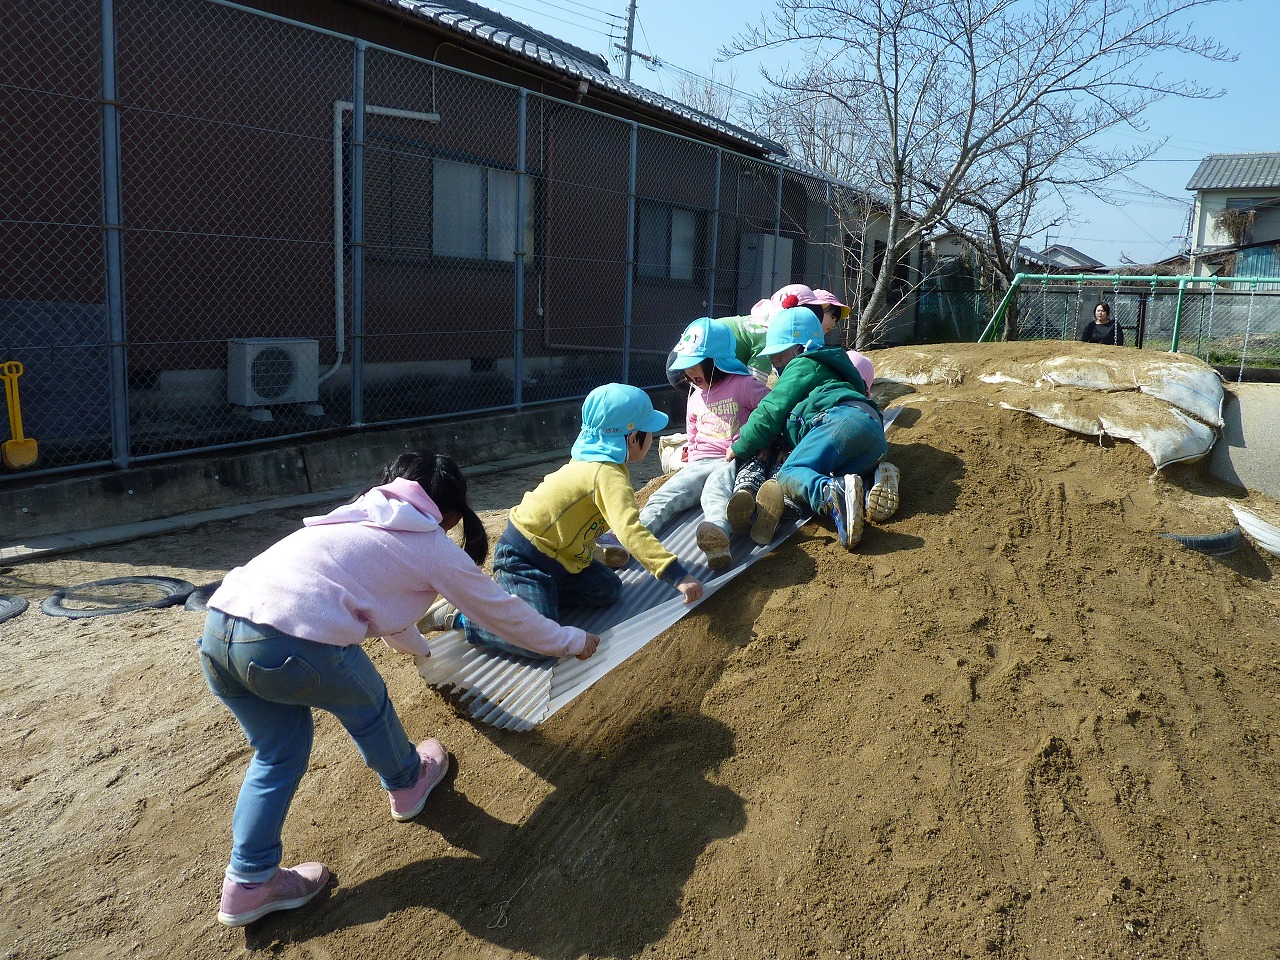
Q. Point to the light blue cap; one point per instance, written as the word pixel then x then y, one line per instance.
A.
pixel 708 339
pixel 793 327
pixel 609 413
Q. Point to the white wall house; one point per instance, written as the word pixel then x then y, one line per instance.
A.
pixel 1245 182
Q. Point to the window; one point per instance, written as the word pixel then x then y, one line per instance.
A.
pixel 474 212
pixel 418 206
pixel 667 240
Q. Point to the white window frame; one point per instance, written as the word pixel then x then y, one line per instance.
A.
pixel 679 243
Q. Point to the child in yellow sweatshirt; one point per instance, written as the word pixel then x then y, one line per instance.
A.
pixel 545 556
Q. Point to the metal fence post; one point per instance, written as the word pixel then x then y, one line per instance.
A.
pixel 628 291
pixel 357 236
pixel 1177 315
pixel 777 235
pixel 715 238
pixel 826 239
pixel 517 373
pixel 113 239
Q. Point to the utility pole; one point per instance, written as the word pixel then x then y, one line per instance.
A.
pixel 631 30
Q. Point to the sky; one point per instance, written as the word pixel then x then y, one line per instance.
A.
pixel 1148 219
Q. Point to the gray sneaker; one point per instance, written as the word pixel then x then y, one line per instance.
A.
pixel 440 616
pixel 714 542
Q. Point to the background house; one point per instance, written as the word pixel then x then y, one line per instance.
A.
pixel 231 223
pixel 1236 219
pixel 1064 259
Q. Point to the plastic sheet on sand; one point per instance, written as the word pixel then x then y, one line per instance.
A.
pixel 1167 404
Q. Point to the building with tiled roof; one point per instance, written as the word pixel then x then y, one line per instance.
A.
pixel 1237 213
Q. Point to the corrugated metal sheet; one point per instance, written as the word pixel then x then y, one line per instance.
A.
pixel 1237 171
pixel 1261 261
pixel 514 693
pixel 493 28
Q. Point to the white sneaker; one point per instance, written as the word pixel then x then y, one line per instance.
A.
pixel 439 617
pixel 882 498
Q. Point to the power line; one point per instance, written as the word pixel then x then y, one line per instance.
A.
pixel 572 23
pixel 584 6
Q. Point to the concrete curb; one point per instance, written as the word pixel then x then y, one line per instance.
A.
pixel 113 506
pixel 1248 453
pixel 42 547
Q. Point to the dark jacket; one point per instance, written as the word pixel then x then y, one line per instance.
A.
pixel 811 384
pixel 1093 332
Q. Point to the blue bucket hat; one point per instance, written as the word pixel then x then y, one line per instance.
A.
pixel 793 327
pixel 609 413
pixel 708 339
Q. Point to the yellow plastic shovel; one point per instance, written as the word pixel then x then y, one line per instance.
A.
pixel 18 452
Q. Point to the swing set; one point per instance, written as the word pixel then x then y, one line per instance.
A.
pixel 1196 283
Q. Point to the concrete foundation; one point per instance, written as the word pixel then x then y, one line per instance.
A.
pixel 73 512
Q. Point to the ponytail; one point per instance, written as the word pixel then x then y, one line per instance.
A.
pixel 440 477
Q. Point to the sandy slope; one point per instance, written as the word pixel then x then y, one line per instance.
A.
pixel 1015 723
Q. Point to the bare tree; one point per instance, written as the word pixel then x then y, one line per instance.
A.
pixel 984 106
pixel 713 97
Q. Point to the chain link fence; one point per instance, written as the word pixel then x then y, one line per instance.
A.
pixel 1236 330
pixel 223 228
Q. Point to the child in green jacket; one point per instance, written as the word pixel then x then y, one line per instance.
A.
pixel 820 404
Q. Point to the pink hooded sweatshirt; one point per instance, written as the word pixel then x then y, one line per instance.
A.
pixel 372 568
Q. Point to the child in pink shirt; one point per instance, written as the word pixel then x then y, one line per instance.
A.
pixel 722 397
pixel 284 636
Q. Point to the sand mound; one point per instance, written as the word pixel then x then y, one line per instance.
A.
pixel 1015 723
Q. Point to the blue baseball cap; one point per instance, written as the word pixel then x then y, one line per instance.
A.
pixel 793 327
pixel 609 413
pixel 708 339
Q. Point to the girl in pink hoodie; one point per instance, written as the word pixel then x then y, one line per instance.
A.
pixel 284 635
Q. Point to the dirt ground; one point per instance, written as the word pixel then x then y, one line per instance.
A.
pixel 1015 723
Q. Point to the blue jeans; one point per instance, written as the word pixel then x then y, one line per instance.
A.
pixel 524 571
pixel 271 681
pixel 709 482
pixel 844 439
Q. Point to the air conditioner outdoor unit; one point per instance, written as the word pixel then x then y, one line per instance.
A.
pixel 265 371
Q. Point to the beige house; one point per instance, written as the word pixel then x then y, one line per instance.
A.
pixel 1236 221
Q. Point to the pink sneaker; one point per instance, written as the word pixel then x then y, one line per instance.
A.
pixel 289 887
pixel 434 764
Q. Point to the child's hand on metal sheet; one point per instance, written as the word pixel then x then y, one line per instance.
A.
pixel 593 642
pixel 691 588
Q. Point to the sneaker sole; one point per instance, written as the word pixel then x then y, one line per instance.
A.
pixel 242 919
pixel 853 511
pixel 715 545
pixel 615 558
pixel 769 503
pixel 883 498
pixel 740 508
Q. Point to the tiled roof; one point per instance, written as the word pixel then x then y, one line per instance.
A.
pixel 488 26
pixel 1237 171
pixel 1070 256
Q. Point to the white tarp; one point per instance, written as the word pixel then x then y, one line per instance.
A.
pixel 1169 405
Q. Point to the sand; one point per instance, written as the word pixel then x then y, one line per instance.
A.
pixel 1016 722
